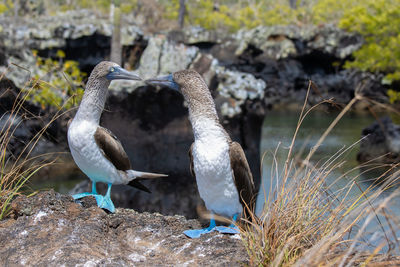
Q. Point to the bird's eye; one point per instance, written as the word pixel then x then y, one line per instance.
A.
pixel 112 69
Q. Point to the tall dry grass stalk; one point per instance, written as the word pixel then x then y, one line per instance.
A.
pixel 310 221
pixel 16 170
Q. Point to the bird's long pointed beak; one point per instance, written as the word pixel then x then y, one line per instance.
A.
pixel 122 74
pixel 165 81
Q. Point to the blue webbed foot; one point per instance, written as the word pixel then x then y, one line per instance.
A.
pixel 105 203
pixel 86 194
pixel 102 202
pixel 198 232
pixel 231 229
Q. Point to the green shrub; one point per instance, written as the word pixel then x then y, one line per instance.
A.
pixel 128 6
pixel 394 96
pixel 102 5
pixel 378 22
pixel 62 84
pixel 3 8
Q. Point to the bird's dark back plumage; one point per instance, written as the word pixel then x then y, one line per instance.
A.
pixel 243 179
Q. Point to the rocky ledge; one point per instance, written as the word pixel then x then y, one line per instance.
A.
pixel 50 229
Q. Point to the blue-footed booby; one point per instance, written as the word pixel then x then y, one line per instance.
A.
pixel 223 175
pixel 96 151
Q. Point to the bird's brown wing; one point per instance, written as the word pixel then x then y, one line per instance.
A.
pixel 243 177
pixel 191 160
pixel 112 148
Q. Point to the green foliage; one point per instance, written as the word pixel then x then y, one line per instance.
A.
pixel 62 84
pixel 172 10
pixel 3 8
pixel 279 14
pixel 232 15
pixel 377 21
pixel 103 6
pixel 394 96
pixel 329 11
pixel 128 6
pixel 6 6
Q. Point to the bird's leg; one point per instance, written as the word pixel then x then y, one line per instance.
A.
pixel 85 194
pixel 231 229
pixel 198 232
pixel 102 202
pixel 94 190
pixel 106 202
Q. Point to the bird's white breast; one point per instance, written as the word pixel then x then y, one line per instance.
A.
pixel 87 154
pixel 213 169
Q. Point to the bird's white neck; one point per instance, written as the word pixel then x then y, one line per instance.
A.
pixel 205 128
pixel 93 100
pixel 204 119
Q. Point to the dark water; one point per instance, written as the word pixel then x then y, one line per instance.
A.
pixel 279 127
pixel 62 176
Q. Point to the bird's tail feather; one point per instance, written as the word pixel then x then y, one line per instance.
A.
pixel 132 174
pixel 138 185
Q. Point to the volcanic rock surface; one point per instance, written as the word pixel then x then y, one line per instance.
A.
pixel 380 142
pixel 49 229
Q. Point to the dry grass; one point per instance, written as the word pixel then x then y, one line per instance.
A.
pixel 308 221
pixel 16 170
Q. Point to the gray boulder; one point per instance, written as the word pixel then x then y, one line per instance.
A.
pixel 380 142
pixel 279 42
pixel 160 57
pixel 195 35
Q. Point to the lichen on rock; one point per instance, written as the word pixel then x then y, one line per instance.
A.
pixel 237 86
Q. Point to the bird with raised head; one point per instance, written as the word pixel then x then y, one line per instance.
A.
pixel 223 176
pixel 96 151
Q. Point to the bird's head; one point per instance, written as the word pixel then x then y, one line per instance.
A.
pixel 188 82
pixel 112 71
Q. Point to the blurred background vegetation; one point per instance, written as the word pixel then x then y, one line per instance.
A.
pixel 63 84
pixel 376 20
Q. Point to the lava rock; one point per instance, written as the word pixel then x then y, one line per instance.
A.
pixel 50 229
pixel 380 142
